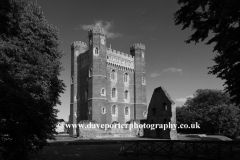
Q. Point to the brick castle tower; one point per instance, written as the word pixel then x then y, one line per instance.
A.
pixel 106 85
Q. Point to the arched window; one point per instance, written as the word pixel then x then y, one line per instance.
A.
pixel 90 72
pixel 114 93
pixel 114 110
pixel 143 81
pixel 72 80
pixel 126 111
pixel 164 106
pixel 112 74
pixel 102 91
pixel 142 54
pixel 125 77
pixel 96 50
pixel 126 94
pixel 103 110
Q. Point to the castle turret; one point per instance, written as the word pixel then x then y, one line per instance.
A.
pixel 77 48
pixel 97 80
pixel 140 100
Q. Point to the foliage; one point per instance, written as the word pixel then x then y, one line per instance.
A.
pixel 213 110
pixel 219 20
pixel 30 88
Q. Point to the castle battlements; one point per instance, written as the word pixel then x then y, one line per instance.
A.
pixel 120 59
pixel 96 30
pixel 120 54
pixel 79 44
pixel 137 46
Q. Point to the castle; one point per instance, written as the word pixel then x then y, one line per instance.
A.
pixel 106 85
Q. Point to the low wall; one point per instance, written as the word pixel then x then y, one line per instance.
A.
pixel 109 133
pixel 93 133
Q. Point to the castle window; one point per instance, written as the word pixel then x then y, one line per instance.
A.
pixel 142 54
pixel 164 106
pixel 96 51
pixel 114 93
pixel 143 81
pixel 72 80
pixel 126 94
pixel 107 57
pixel 112 74
pixel 154 112
pixel 125 77
pixel 90 72
pixel 86 94
pixel 114 110
pixel 103 93
pixel 103 110
pixel 126 111
pixel 76 98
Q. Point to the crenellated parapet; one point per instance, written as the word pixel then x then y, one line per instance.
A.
pixel 120 59
pixel 79 44
pixel 96 30
pixel 137 46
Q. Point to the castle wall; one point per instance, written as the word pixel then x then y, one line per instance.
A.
pixel 120 100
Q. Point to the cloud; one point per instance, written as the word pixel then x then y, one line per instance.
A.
pixel 172 69
pixel 103 24
pixel 155 74
pixel 184 99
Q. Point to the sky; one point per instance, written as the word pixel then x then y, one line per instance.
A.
pixel 179 67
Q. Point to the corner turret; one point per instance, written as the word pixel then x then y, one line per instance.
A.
pixel 79 44
pixel 137 46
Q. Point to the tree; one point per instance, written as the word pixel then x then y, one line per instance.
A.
pixel 213 110
pixel 30 87
pixel 219 20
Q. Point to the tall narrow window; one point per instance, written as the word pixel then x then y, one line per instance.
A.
pixel 90 72
pixel 103 110
pixel 114 110
pixel 96 50
pixel 112 74
pixel 72 80
pixel 126 111
pixel 126 94
pixel 103 92
pixel 143 81
pixel 125 77
pixel 114 93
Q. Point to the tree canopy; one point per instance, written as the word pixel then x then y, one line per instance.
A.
pixel 219 21
pixel 213 110
pixel 29 70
